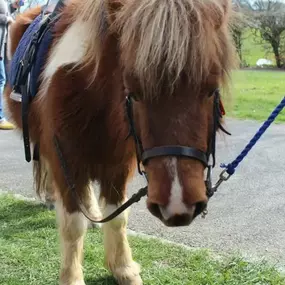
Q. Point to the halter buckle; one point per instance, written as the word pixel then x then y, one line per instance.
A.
pixel 208 181
pixel 204 213
pixel 224 176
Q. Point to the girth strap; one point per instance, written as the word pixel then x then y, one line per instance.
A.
pixel 21 85
pixel 175 150
pixel 25 119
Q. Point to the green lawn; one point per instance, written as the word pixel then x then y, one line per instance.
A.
pixel 255 94
pixel 29 256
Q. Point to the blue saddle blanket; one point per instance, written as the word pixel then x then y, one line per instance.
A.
pixel 40 58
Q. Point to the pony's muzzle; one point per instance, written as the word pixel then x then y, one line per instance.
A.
pixel 176 219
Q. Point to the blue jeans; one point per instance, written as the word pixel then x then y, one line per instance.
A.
pixel 2 84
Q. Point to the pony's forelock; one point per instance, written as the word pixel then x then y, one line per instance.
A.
pixel 160 39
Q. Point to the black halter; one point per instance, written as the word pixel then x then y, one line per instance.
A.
pixel 143 156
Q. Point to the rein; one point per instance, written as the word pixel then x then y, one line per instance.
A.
pixel 71 186
pixel 144 155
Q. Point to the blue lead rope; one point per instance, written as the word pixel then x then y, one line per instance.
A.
pixel 230 168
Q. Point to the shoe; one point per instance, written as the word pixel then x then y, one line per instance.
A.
pixel 5 125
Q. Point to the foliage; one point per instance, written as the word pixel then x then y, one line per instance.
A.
pixel 267 20
pixel 238 29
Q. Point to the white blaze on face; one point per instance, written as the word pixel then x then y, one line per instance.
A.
pixel 176 206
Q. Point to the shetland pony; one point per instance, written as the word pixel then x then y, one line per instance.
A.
pixel 171 55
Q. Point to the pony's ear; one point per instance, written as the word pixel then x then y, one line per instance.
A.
pixel 220 12
pixel 113 6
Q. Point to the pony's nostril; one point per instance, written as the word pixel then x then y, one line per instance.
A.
pixel 176 219
pixel 179 220
pixel 200 207
pixel 154 209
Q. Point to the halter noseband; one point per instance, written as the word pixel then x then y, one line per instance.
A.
pixel 143 156
pixel 175 150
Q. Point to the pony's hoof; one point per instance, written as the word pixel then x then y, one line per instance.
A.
pixel 81 282
pixel 77 282
pixel 71 277
pixel 128 275
pixel 135 280
pixel 50 207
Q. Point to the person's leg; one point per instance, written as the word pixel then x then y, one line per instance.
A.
pixel 2 84
pixel 4 124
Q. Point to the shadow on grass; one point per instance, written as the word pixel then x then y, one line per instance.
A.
pixel 22 216
pixel 20 209
pixel 107 280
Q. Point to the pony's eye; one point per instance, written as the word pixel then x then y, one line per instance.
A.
pixel 214 91
pixel 135 96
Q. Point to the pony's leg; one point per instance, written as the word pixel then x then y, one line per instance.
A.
pixel 50 197
pixel 72 228
pixel 44 182
pixel 92 206
pixel 118 256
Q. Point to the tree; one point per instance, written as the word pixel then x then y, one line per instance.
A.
pixel 267 19
pixel 238 28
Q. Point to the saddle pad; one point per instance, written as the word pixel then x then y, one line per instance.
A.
pixel 40 58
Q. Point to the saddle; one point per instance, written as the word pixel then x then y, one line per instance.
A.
pixel 27 64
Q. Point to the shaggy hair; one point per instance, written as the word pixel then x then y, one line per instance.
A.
pixel 162 39
pixel 93 13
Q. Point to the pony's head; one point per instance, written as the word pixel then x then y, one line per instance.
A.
pixel 174 55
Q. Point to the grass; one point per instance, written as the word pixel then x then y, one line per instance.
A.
pixel 29 256
pixel 256 94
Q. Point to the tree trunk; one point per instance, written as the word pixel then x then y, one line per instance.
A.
pixel 237 37
pixel 275 48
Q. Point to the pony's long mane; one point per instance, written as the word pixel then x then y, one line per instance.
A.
pixel 160 39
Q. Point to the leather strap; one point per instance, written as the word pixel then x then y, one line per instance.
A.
pixel 71 186
pixel 25 123
pixel 134 199
pixel 175 150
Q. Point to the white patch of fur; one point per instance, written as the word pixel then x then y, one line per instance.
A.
pixel 70 48
pixel 120 220
pixel 118 255
pixel 176 206
pixel 92 207
pixel 72 228
pixel 75 221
